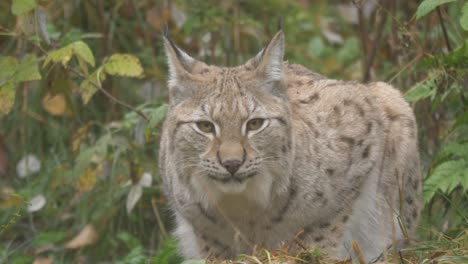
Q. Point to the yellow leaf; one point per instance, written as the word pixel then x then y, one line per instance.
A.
pixel 83 51
pixel 54 104
pixel 9 198
pixel 62 55
pixel 124 65
pixel 79 136
pixel 88 86
pixel 87 236
pixel 86 181
pixel 8 66
pixel 28 69
pixel 19 7
pixel 7 97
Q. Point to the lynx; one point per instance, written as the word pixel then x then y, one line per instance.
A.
pixel 262 154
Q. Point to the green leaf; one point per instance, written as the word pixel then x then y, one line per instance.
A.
pixel 457 149
pixel 457 58
pixel 136 256
pixel 156 116
pixel 7 96
pixel 28 69
pixel 423 89
pixel 87 154
pixel 19 7
pixel 47 238
pixel 83 51
pixel 124 65
pixel 8 66
pixel 446 177
pixel 168 253
pixel 22 259
pixel 64 55
pixel 464 17
pixel 464 178
pixel 130 240
pixel 349 52
pixel 428 5
pixel 88 86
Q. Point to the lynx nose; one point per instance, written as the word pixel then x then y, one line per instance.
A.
pixel 232 165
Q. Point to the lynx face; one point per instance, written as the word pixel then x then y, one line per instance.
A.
pixel 226 132
pixel 231 125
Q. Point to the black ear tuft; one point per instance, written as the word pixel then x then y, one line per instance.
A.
pixel 168 38
pixel 279 23
pixel 166 30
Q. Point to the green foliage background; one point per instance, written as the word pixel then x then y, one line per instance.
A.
pixel 82 87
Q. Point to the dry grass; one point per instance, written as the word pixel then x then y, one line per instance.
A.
pixel 445 250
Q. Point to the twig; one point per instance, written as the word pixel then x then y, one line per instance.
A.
pixel 413 61
pixel 401 257
pixel 375 47
pixel 140 113
pixel 358 251
pixel 159 220
pixel 442 25
pixel 299 243
pixel 363 32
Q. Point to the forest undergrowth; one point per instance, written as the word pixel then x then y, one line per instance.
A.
pixel 83 94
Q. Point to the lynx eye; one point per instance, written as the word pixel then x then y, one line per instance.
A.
pixel 255 124
pixel 205 126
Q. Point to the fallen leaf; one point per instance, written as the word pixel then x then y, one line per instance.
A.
pixel 36 203
pixel 28 165
pixel 146 179
pixel 134 195
pixel 87 236
pixel 50 247
pixel 8 197
pixel 332 36
pixel 43 260
pixel 86 181
pixel 54 104
pixel 79 136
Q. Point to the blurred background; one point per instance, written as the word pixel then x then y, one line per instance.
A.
pixel 83 92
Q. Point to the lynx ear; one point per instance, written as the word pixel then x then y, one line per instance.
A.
pixel 179 62
pixel 269 62
pixel 180 68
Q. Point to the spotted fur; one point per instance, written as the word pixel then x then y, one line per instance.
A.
pixel 336 161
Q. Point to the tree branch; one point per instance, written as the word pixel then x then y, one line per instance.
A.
pixel 375 47
pixel 442 25
pixel 106 93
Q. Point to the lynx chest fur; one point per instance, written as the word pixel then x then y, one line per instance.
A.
pixel 262 153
